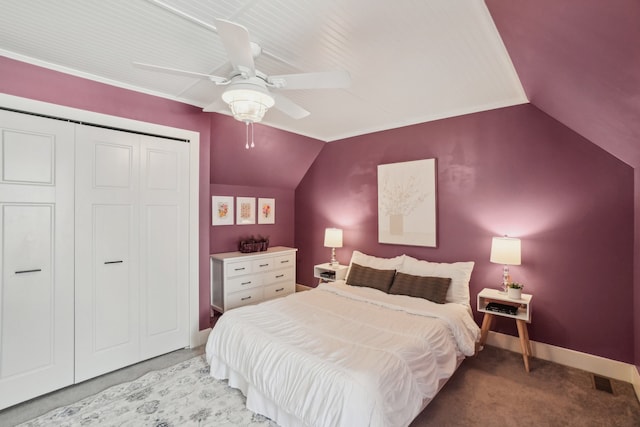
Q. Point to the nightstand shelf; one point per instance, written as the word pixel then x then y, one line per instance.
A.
pixel 522 316
pixel 328 273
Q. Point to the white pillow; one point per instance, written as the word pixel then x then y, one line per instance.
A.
pixel 375 262
pixel 458 272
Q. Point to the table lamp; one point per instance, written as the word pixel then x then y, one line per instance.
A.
pixel 333 240
pixel 506 251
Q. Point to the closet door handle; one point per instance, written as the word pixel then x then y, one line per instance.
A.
pixel 114 262
pixel 28 271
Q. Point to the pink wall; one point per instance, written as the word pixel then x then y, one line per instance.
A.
pixel 28 81
pixel 512 171
pixel 225 238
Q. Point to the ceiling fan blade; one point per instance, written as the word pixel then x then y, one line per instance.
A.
pixel 216 106
pixel 235 39
pixel 320 80
pixel 213 78
pixel 289 107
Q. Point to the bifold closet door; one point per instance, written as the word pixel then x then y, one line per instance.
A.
pixel 164 245
pixel 132 256
pixel 107 260
pixel 36 256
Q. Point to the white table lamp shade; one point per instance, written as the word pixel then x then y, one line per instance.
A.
pixel 505 250
pixel 333 238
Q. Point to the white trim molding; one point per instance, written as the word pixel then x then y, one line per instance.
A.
pixel 574 359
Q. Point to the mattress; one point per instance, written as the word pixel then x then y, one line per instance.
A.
pixel 341 355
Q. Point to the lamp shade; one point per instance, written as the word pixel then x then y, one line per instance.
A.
pixel 333 238
pixel 505 250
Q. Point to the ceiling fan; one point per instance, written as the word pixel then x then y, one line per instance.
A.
pixel 250 93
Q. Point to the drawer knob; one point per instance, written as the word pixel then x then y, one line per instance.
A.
pixel 281 289
pixel 246 283
pixel 279 276
pixel 264 265
pixel 238 269
pixel 245 298
pixel 286 261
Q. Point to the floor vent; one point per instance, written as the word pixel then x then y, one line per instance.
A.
pixel 602 384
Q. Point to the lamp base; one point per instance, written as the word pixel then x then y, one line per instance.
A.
pixel 334 261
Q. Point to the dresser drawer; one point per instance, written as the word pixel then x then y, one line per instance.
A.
pixel 242 283
pixel 264 264
pixel 238 268
pixel 238 299
pixel 276 276
pixel 288 260
pixel 279 290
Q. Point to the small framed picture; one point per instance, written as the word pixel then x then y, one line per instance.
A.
pixel 245 210
pixel 266 211
pixel 221 210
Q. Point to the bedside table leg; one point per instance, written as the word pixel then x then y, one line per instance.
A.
pixel 486 326
pixel 524 342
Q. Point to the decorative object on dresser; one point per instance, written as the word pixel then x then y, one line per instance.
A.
pixel 492 303
pixel 506 251
pixel 407 203
pixel 253 244
pixel 221 210
pixel 245 210
pixel 333 240
pixel 266 211
pixel 239 279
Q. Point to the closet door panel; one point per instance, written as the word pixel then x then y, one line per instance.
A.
pixel 36 256
pixel 164 245
pixel 27 289
pixel 107 294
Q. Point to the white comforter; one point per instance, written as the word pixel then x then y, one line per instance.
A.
pixel 342 355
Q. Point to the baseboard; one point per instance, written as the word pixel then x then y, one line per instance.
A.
pixel 575 359
pixel 636 381
pixel 200 338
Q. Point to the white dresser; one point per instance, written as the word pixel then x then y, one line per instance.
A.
pixel 239 279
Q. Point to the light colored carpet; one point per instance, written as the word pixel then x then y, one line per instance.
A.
pixel 181 395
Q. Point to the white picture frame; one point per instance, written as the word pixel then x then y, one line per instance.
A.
pixel 266 211
pixel 222 210
pixel 245 210
pixel 407 203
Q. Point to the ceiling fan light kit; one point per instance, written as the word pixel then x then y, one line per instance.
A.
pixel 248 100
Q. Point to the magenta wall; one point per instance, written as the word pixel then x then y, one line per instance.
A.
pixel 512 171
pixel 28 81
pixel 224 238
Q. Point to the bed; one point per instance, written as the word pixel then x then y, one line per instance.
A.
pixel 359 352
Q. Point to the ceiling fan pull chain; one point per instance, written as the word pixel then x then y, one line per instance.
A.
pixel 247 136
pixel 252 144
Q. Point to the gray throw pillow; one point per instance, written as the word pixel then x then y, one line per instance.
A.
pixel 431 288
pixel 370 277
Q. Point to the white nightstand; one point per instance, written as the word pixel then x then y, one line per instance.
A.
pixel 327 273
pixel 522 316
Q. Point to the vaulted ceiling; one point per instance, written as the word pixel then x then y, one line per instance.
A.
pixel 409 61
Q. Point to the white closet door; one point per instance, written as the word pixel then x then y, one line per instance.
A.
pixel 36 256
pixel 107 247
pixel 164 245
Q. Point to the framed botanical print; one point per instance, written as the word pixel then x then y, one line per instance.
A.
pixel 245 210
pixel 221 210
pixel 266 211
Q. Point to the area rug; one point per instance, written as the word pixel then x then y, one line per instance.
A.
pixel 181 395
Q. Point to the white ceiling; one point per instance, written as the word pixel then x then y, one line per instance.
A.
pixel 410 61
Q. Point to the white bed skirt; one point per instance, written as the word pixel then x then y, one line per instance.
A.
pixel 260 404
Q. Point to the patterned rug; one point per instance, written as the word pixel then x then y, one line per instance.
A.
pixel 181 395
